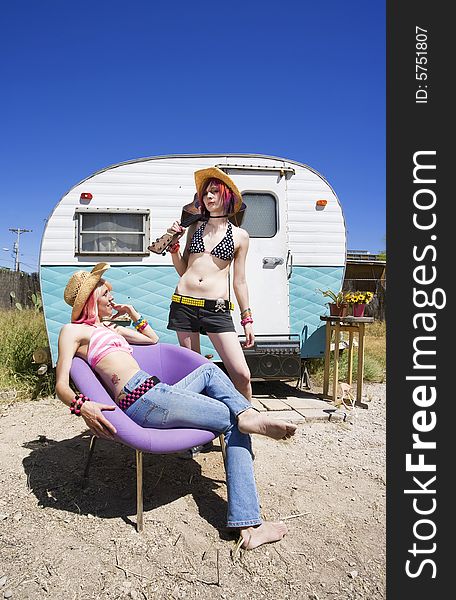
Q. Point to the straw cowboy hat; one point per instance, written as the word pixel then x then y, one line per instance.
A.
pixel 80 286
pixel 204 175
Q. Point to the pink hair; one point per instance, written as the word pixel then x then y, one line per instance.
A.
pixel 226 195
pixel 89 312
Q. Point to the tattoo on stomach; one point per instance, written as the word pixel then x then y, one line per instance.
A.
pixel 115 379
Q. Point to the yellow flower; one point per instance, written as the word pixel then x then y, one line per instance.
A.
pixel 359 297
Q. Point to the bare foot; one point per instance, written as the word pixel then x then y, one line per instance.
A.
pixel 251 421
pixel 263 534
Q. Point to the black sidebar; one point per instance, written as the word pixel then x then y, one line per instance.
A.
pixel 421 339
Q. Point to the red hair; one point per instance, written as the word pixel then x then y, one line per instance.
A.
pixel 89 312
pixel 226 195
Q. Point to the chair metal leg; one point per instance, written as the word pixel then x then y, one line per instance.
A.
pixel 93 440
pixel 139 492
pixel 223 447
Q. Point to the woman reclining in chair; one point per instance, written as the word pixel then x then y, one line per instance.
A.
pixel 153 404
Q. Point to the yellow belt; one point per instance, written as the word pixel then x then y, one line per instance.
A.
pixel 202 302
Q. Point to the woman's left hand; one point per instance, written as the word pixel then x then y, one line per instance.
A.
pixel 249 335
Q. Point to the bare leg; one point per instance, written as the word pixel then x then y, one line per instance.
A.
pixel 190 340
pixel 230 351
pixel 265 533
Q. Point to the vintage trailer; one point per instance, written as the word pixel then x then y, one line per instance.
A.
pixel 297 246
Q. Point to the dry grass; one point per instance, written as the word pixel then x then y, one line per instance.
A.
pixel 22 332
pixel 375 342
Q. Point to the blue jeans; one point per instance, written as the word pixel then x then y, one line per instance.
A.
pixel 183 405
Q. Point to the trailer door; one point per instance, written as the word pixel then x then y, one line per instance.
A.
pixel 268 260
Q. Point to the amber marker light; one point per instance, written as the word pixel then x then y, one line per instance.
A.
pixel 322 202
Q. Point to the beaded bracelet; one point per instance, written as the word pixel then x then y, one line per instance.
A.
pixel 142 326
pixel 76 404
pixel 246 310
pixel 138 321
pixel 174 248
pixel 246 320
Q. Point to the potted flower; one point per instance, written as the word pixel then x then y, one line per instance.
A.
pixel 338 307
pixel 358 300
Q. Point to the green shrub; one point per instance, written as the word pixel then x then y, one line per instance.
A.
pixel 373 369
pixel 22 332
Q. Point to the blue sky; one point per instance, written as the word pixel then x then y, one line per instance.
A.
pixel 90 84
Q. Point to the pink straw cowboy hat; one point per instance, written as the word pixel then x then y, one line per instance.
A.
pixel 204 175
pixel 80 286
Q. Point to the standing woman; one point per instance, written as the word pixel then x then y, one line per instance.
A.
pixel 201 303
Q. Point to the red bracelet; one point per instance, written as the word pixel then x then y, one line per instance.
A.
pixel 75 406
pixel 174 248
pixel 246 320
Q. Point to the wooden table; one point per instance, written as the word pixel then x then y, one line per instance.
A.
pixel 352 325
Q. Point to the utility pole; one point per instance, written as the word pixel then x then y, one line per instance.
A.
pixel 18 230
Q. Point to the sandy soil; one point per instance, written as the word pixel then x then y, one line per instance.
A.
pixel 59 540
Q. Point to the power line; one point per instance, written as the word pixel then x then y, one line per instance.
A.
pixel 8 260
pixel 35 267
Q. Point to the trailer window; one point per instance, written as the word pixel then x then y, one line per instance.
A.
pixel 260 220
pixel 112 232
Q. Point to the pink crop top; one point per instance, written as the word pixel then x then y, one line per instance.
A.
pixel 103 342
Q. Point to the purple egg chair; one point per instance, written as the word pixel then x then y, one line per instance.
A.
pixel 169 363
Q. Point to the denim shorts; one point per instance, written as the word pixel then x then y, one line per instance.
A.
pixel 183 317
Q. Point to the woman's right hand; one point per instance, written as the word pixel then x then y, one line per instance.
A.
pixel 125 309
pixel 92 414
pixel 176 227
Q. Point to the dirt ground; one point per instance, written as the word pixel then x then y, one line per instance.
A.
pixel 60 540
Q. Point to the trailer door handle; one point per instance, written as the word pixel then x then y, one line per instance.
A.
pixel 289 264
pixel 270 262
